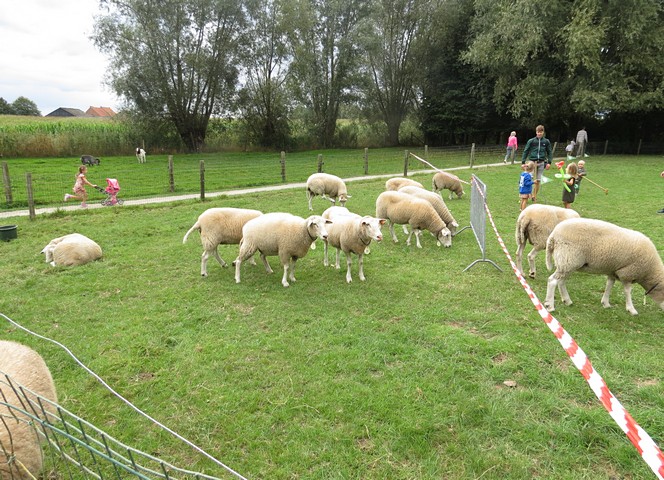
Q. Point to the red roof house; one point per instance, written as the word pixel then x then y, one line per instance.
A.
pixel 100 112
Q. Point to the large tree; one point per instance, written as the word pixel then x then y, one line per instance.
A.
pixel 25 106
pixel 173 58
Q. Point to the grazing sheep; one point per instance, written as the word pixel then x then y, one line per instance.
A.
pixel 534 225
pixel 21 436
pixel 444 180
pixel 327 186
pixel 220 226
pixel 72 249
pixel 335 212
pixel 140 155
pixel 352 235
pixel 594 246
pixel 394 184
pixel 90 160
pixel 401 208
pixel 282 234
pixel 436 202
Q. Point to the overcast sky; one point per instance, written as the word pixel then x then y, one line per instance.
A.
pixel 47 56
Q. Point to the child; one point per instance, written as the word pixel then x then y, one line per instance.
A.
pixel 526 183
pixel 581 173
pixel 568 197
pixel 79 187
pixel 511 147
pixel 569 149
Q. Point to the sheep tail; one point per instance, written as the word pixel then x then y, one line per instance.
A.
pixel 521 233
pixel 195 227
pixel 550 247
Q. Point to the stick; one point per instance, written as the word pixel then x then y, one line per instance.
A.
pixel 435 168
pixel 606 190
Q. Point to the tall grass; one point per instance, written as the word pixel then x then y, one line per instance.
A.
pixel 398 377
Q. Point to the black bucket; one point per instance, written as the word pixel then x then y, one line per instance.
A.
pixel 8 232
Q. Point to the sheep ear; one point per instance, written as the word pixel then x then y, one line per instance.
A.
pixel 328 221
pixel 382 221
pixel 349 196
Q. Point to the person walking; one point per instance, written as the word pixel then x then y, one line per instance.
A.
pixel 581 142
pixel 526 183
pixel 79 187
pixel 538 149
pixel 512 146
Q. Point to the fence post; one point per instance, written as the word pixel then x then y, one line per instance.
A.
pixel 405 163
pixel 606 146
pixel 426 152
pixel 320 163
pixel 283 166
pixel 366 161
pixel 8 185
pixel 202 167
pixel 638 150
pixel 31 198
pixel 171 180
pixel 553 150
pixel 472 155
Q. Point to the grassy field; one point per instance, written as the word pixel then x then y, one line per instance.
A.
pixel 398 377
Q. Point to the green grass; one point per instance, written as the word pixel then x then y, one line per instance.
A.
pixel 398 377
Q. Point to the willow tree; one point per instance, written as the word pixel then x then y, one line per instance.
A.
pixel 174 59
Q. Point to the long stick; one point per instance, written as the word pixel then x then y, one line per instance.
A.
pixel 434 167
pixel 606 190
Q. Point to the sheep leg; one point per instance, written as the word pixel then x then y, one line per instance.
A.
pixel 551 285
pixel 607 291
pixel 325 262
pixel 360 262
pixel 564 295
pixel 628 298
pixel 309 197
pixel 336 264
pixel 405 229
pixel 268 269
pixel 531 261
pixel 349 277
pixel 518 258
pixel 292 269
pixel 394 237
pixel 284 280
pixel 245 252
pixel 215 252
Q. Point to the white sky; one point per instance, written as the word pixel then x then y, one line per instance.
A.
pixel 47 56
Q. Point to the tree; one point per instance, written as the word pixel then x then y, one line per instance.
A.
pixel 5 107
pixel 323 37
pixel 389 34
pixel 25 106
pixel 173 58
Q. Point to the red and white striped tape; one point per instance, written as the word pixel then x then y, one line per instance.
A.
pixel 644 444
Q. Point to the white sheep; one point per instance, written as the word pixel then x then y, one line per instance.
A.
pixel 395 183
pixel 352 235
pixel 436 202
pixel 140 155
pixel 72 249
pixel 595 246
pixel 444 180
pixel 21 436
pixel 401 208
pixel 534 225
pixel 282 234
pixel 220 226
pixel 328 186
pixel 335 212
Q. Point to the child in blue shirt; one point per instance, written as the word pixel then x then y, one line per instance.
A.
pixel 526 183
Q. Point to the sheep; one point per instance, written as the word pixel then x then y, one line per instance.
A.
pixel 444 180
pixel 281 234
pixel 90 160
pixel 352 235
pixel 595 246
pixel 401 208
pixel 534 225
pixel 327 186
pixel 335 212
pixel 395 183
pixel 70 250
pixel 220 226
pixel 21 436
pixel 436 202
pixel 140 155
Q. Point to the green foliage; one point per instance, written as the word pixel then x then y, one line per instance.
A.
pixel 398 377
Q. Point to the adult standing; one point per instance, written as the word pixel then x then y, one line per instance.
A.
pixel 538 149
pixel 512 146
pixel 581 142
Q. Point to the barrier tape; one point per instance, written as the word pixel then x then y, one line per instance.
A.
pixel 644 444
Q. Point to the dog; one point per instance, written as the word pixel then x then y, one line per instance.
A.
pixel 140 155
pixel 90 160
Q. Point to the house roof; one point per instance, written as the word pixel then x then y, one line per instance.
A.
pixel 100 111
pixel 67 112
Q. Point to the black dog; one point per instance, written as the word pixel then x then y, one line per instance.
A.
pixel 90 160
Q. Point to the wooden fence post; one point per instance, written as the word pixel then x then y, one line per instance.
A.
pixel 606 147
pixel 8 184
pixel 472 155
pixel 366 161
pixel 202 167
pixel 638 150
pixel 283 166
pixel 405 163
pixel 171 180
pixel 426 152
pixel 320 163
pixel 31 198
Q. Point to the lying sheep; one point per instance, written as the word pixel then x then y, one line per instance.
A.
pixel 220 226
pixel 70 250
pixel 534 225
pixel 327 186
pixel 352 235
pixel 444 180
pixel 594 246
pixel 395 183
pixel 436 202
pixel 282 234
pixel 401 208
pixel 21 436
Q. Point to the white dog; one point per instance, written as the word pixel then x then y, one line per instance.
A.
pixel 140 155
